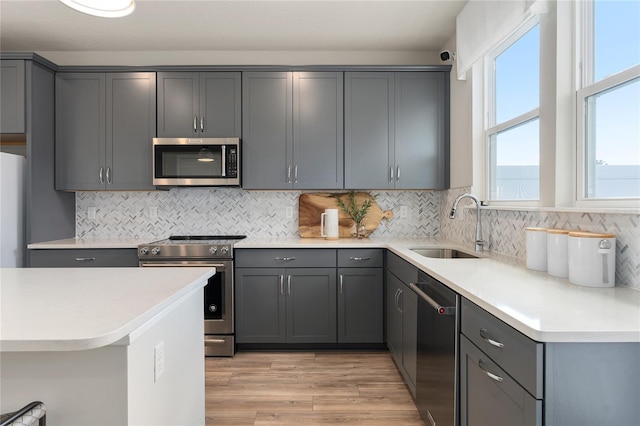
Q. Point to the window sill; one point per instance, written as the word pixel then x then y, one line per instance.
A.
pixel 597 210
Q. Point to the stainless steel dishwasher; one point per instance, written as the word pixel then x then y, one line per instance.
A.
pixel 437 371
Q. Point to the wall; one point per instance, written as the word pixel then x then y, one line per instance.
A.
pixel 233 211
pixel 504 231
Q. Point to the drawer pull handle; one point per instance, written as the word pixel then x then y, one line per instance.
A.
pixel 213 342
pixel 359 259
pixel 85 259
pixel 285 259
pixel 488 373
pixel 483 334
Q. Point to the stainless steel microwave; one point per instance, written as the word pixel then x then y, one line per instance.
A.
pixel 196 161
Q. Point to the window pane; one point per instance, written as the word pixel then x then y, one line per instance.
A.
pixel 616 36
pixel 517 77
pixel 613 142
pixel 515 163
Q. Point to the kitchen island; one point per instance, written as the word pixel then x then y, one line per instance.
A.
pixel 104 346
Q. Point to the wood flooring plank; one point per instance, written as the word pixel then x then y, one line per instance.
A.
pixel 363 403
pixel 396 418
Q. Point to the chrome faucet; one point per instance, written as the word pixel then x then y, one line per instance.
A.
pixel 479 241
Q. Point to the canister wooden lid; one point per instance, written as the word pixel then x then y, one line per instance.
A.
pixel 584 234
pixel 558 231
pixel 534 229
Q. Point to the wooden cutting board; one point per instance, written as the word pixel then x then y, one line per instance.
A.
pixel 311 206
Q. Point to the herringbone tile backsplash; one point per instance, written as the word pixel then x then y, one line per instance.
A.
pixel 263 214
pixel 233 211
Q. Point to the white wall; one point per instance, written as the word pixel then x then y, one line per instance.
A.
pixel 254 57
pixel 461 153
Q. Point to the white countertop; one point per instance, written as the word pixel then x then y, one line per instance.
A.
pixel 91 243
pixel 61 309
pixel 544 308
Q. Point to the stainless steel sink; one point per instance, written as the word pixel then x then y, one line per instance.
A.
pixel 443 253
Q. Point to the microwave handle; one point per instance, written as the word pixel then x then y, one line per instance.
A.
pixel 224 161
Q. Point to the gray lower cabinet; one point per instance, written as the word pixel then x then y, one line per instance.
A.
pixel 199 104
pixel 508 379
pixel 360 296
pixel 12 96
pixel 104 125
pixel 292 130
pixel 396 130
pixel 83 258
pixel 402 318
pixel 292 304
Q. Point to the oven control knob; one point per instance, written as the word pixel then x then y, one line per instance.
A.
pixel 144 250
pixel 155 250
pixel 213 250
pixel 224 250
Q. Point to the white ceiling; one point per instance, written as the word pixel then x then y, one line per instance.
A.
pixel 174 26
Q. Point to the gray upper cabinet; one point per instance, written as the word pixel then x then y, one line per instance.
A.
pixel 396 130
pixel 104 127
pixel 292 130
pixel 12 88
pixel 206 104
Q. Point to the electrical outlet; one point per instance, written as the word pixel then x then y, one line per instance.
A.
pixel 153 212
pixel 91 212
pixel 404 211
pixel 289 212
pixel 158 362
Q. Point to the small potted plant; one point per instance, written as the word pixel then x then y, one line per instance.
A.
pixel 357 214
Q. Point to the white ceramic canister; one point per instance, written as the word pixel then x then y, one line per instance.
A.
pixel 536 248
pixel 558 252
pixel 329 224
pixel 592 259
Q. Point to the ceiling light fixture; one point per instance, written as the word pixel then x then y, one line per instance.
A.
pixel 102 8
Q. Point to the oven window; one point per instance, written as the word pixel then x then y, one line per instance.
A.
pixel 214 297
pixel 188 161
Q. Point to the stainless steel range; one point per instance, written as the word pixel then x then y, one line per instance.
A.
pixel 203 250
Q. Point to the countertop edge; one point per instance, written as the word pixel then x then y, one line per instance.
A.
pixel 159 311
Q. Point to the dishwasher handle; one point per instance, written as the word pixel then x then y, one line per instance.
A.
pixel 440 309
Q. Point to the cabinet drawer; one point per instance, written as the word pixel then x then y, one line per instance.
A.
pixel 488 396
pixel 88 258
pixel 519 356
pixel 402 269
pixel 285 258
pixel 360 258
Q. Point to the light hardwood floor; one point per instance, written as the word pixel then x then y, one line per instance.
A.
pixel 305 388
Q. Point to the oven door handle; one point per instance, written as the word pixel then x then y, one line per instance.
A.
pixel 182 265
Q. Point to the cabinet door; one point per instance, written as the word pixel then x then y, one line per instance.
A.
pixel 311 305
pixel 489 396
pixel 394 318
pixel 267 130
pixel 369 130
pixel 220 105
pixel 421 156
pixel 131 124
pixel 178 104
pixel 12 91
pixel 360 305
pixel 410 335
pixel 318 130
pixel 80 131
pixel 260 305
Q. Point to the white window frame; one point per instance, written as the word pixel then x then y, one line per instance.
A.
pixel 585 89
pixel 489 107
